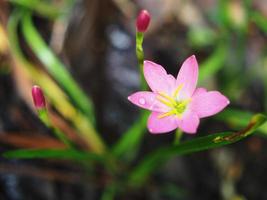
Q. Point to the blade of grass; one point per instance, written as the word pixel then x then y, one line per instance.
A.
pixel 52 153
pixel 159 157
pixel 128 144
pixel 56 96
pixel 56 67
pixel 239 118
pixel 41 7
pixel 214 63
pixel 260 21
pixel 59 72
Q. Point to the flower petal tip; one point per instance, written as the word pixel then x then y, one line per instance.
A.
pixel 226 100
pixel 148 62
pixel 155 132
pixel 191 132
pixel 151 130
pixel 193 59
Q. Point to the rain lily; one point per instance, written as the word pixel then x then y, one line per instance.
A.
pixel 176 103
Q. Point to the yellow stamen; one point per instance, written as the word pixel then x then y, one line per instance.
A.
pixel 179 88
pixel 164 101
pixel 183 103
pixel 167 97
pixel 172 112
pixel 177 107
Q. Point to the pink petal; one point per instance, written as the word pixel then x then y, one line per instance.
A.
pixel 157 78
pixel 148 100
pixel 189 122
pixel 187 77
pixel 157 125
pixel 208 103
pixel 199 91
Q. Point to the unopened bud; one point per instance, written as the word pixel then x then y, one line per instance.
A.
pixel 142 21
pixel 38 97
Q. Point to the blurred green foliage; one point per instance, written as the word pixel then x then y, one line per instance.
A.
pixel 225 67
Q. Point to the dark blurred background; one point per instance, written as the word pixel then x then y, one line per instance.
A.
pixel 96 41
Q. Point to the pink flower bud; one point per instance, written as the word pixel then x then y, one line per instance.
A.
pixel 142 21
pixel 38 97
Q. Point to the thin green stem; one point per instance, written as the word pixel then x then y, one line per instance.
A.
pixel 44 117
pixel 177 137
pixel 140 57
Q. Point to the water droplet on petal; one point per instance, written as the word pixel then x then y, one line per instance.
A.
pixel 142 101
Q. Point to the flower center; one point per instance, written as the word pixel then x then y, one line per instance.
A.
pixel 177 107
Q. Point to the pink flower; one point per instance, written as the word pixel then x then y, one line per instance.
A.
pixel 176 103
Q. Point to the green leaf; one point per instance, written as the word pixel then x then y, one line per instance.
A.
pixel 156 159
pixel 56 67
pixel 59 72
pixel 260 21
pixel 235 117
pixel 214 63
pixel 56 95
pixel 41 7
pixel 52 153
pixel 239 118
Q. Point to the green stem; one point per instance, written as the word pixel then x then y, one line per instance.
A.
pixel 44 117
pixel 140 57
pixel 110 192
pixel 178 136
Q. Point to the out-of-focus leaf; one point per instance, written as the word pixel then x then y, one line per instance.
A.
pixel 223 13
pixel 197 36
pixel 52 153
pixel 214 63
pixel 235 117
pixel 55 67
pixel 157 158
pixel 59 72
pixel 26 140
pixel 128 144
pixel 260 21
pixel 56 96
pixel 239 118
pixel 41 7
